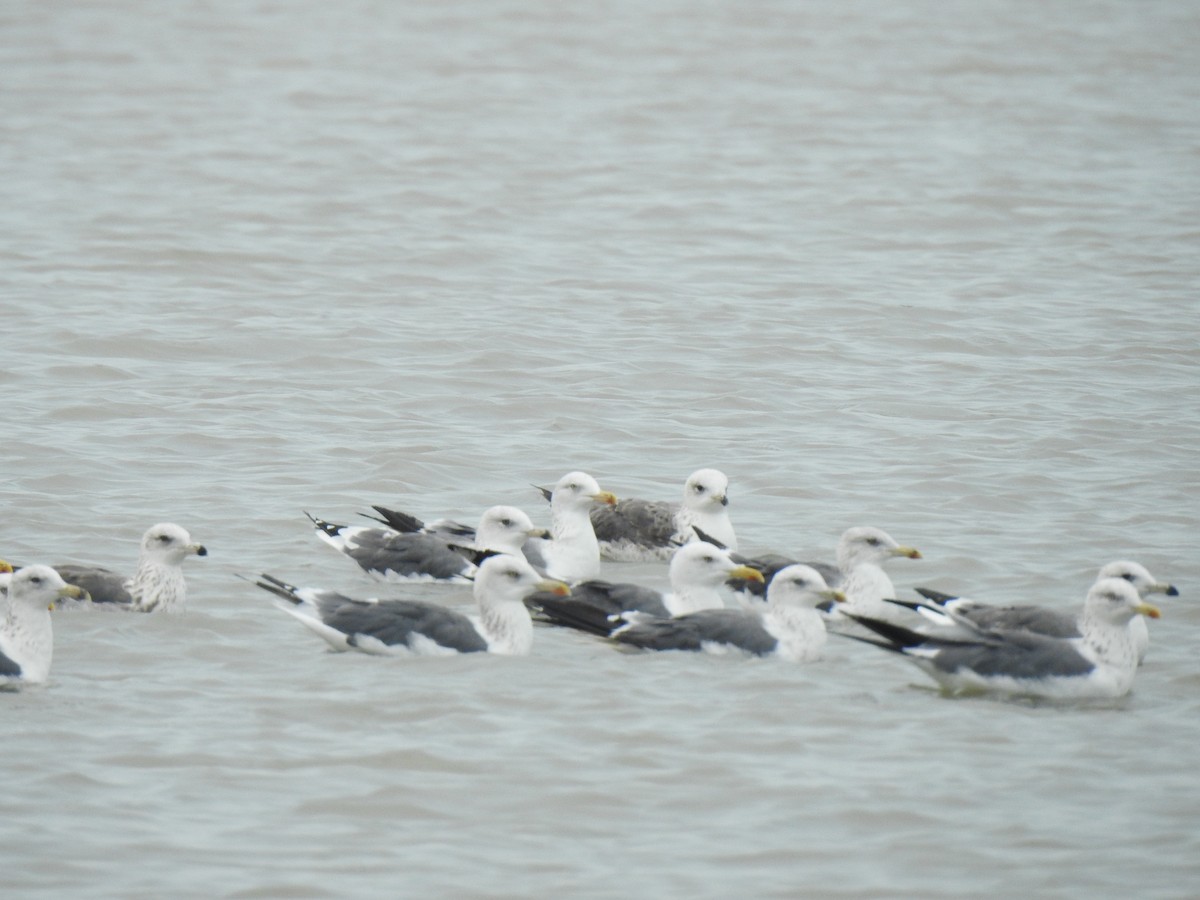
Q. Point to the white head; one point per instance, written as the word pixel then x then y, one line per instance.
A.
pixel 578 490
pixel 505 580
pixel 865 544
pixel 505 528
pixel 706 489
pixel 169 544
pixel 801 586
pixel 501 586
pixel 1116 601
pixel 700 564
pixel 1137 575
pixel 38 587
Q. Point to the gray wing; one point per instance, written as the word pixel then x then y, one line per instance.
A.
pixel 645 523
pixel 1019 655
pixel 592 605
pixel 408 555
pixel 691 632
pixel 1013 654
pixel 406 523
pixel 615 598
pixel 769 564
pixel 395 622
pixel 104 585
pixel 8 667
pixel 533 553
pixel 1035 619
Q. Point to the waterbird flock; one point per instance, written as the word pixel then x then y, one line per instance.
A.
pixel 719 600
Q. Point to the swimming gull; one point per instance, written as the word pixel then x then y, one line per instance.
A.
pixel 158 582
pixel 389 627
pixel 1056 622
pixel 26 635
pixel 636 530
pixel 697 572
pixel 861 554
pixel 1100 663
pixel 572 554
pixel 789 627
pixel 419 556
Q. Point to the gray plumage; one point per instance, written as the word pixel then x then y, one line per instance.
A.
pixel 788 626
pixel 635 529
pixel 501 625
pixel 395 556
pixel 156 584
pixel 965 657
pixel 390 622
pixel 697 573
pixel 731 627
pixel 1051 621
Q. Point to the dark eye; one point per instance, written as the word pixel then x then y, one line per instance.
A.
pixel 36 579
pixel 165 538
pixel 507 523
pixel 699 489
pixel 873 541
pixel 1128 576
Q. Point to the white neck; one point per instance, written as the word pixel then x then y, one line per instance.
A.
pixel 157 585
pixel 799 630
pixel 507 628
pixel 574 553
pixel 693 598
pixel 713 522
pixel 866 587
pixel 1108 641
pixel 31 630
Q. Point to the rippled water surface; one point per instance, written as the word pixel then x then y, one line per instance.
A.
pixel 930 267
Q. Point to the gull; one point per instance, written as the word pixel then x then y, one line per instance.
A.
pixel 697 573
pixel 572 554
pixel 788 627
pixel 1100 663
pixel 636 530
pixel 26 635
pixel 390 627
pixel 862 552
pixel 1057 622
pixel 391 555
pixel 158 582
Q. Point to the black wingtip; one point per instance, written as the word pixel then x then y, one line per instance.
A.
pixel 708 538
pixel 397 520
pixel 328 528
pixel 555 610
pixel 898 635
pixel 275 586
pixel 936 596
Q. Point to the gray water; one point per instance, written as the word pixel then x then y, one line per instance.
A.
pixel 926 266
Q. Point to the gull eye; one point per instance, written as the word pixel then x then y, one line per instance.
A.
pixel 165 538
pixel 1128 576
pixel 873 541
pixel 507 523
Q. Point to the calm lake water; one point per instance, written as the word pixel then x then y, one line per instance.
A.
pixel 926 266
